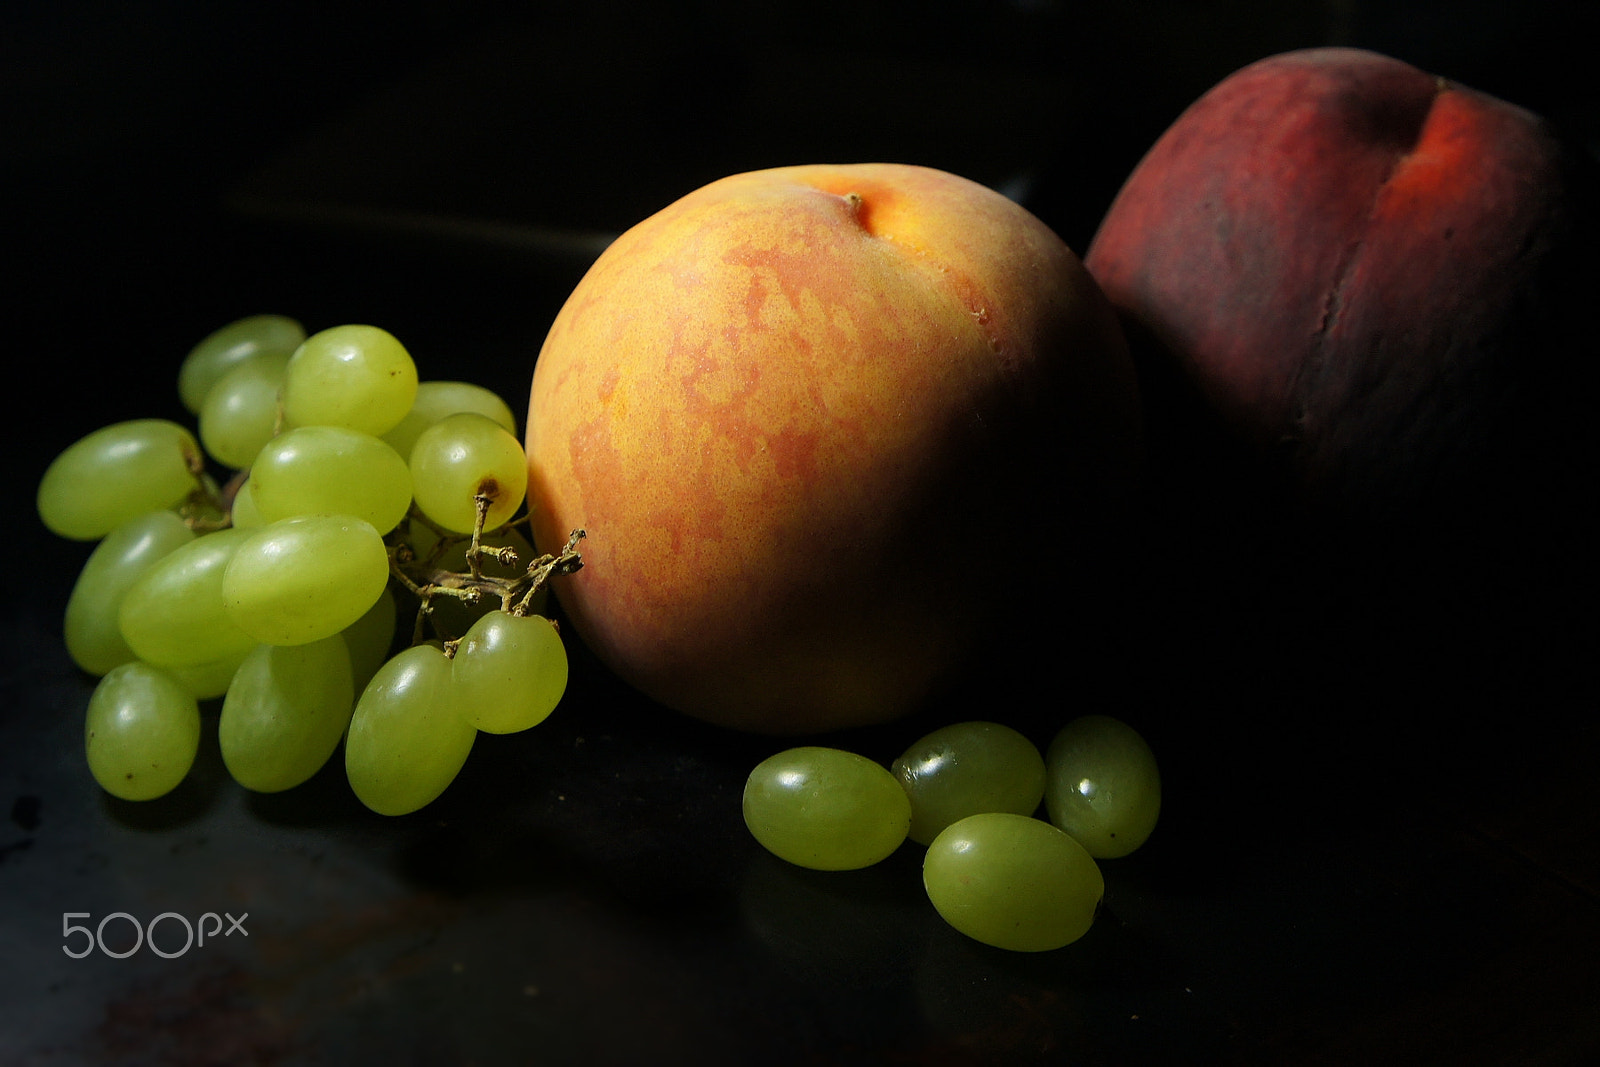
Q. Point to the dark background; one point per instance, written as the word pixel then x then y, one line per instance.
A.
pixel 1386 856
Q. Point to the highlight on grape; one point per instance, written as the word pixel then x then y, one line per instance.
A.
pixel 338 551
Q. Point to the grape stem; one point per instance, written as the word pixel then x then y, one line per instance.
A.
pixel 541 570
pixel 425 579
pixel 207 507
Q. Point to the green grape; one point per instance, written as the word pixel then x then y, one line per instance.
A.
pixel 328 470
pixel 370 638
pixel 209 680
pixel 1102 785
pixel 461 456
pixel 115 474
pixel 1012 881
pixel 408 738
pixel 304 578
pixel 826 808
pixel 435 400
pixel 967 768
pixel 240 413
pixel 233 344
pixel 509 671
pixel 285 712
pixel 142 732
pixel 358 377
pixel 244 514
pixel 174 616
pixel 91 628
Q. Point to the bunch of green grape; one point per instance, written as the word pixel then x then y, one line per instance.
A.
pixel 971 793
pixel 330 510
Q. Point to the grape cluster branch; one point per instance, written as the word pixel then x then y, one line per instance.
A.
pixel 207 507
pixel 426 579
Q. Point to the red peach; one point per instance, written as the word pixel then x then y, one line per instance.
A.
pixel 1358 294
pixel 822 424
pixel 1367 270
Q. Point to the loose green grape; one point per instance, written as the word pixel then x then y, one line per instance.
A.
pixel 464 455
pixel 304 578
pixel 1102 785
pixel 244 514
pixel 226 348
pixel 826 808
pixel 509 671
pixel 116 474
pixel 437 399
pixel 142 732
pixel 359 377
pixel 240 413
pixel 326 470
pixel 967 768
pixel 174 615
pixel 370 638
pixel 1012 881
pixel 285 712
pixel 91 628
pixel 408 738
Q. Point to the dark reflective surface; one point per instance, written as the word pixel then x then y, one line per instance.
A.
pixel 1378 836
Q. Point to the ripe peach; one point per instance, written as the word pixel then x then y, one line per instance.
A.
pixel 1367 270
pixel 822 424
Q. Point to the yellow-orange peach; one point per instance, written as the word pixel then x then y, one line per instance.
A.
pixel 821 424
